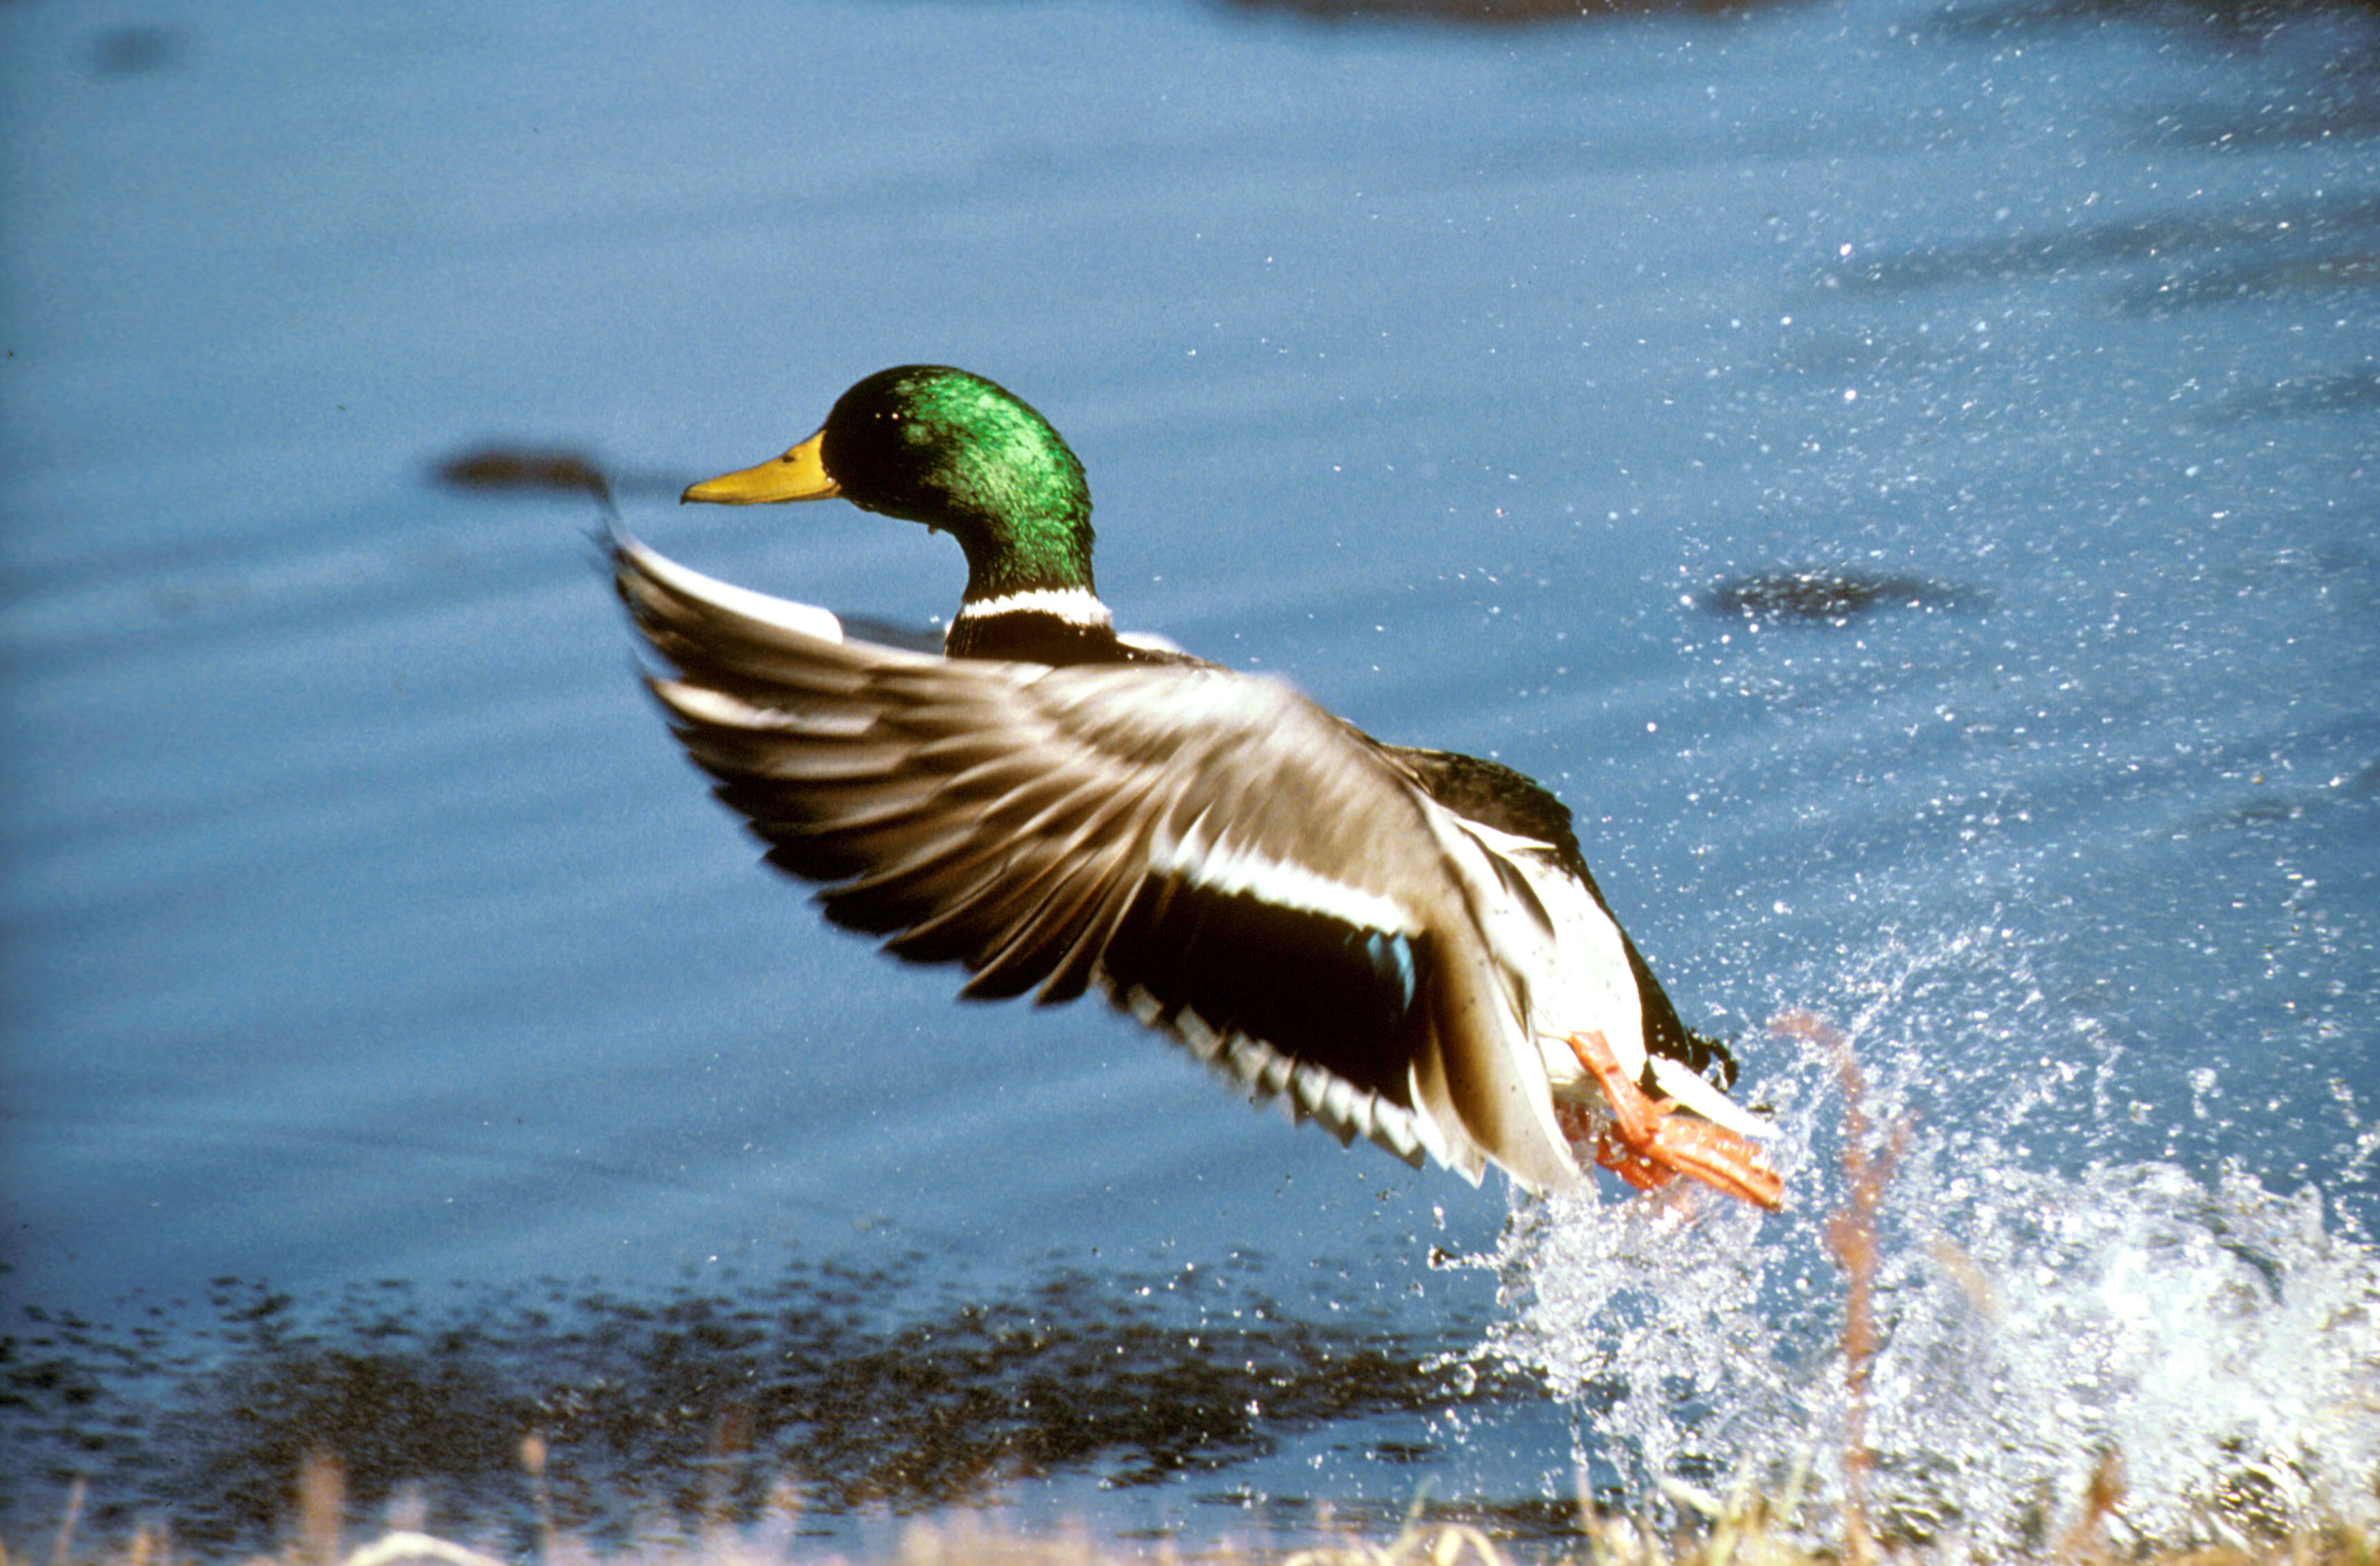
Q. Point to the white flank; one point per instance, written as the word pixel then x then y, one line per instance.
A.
pixel 1568 977
pixel 1588 986
pixel 1071 604
pixel 1236 870
pixel 803 619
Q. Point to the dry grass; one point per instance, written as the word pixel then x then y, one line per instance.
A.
pixel 1851 1236
pixel 1743 1528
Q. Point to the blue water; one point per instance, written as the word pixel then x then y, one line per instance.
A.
pixel 365 939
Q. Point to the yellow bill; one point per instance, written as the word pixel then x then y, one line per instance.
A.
pixel 798 475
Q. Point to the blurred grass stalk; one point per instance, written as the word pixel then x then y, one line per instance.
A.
pixel 1851 1236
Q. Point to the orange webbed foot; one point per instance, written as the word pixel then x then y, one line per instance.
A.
pixel 1647 1145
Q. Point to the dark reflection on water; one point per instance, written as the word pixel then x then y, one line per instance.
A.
pixel 2168 242
pixel 2288 396
pixel 2224 19
pixel 134 51
pixel 1492 13
pixel 2252 280
pixel 1834 595
pixel 531 469
pixel 846 1384
pixel 504 467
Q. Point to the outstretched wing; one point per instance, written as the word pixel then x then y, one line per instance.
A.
pixel 1229 862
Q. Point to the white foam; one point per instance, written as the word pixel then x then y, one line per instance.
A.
pixel 2219 1333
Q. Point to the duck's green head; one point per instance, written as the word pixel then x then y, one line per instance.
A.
pixel 932 444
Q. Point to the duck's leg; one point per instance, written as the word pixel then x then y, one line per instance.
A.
pixel 1653 1145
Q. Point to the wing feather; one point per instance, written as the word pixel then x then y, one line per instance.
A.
pixel 1231 864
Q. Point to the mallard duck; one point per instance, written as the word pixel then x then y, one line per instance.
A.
pixel 1403 944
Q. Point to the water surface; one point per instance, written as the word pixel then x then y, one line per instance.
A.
pixel 1902 472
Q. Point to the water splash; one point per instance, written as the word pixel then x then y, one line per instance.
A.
pixel 2209 1345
